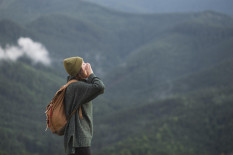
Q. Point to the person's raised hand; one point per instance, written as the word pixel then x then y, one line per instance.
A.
pixel 88 69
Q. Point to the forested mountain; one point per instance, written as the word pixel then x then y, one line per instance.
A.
pixel 167 76
pixel 10 32
pixel 196 119
pixel 188 47
pixel 24 92
pixel 78 27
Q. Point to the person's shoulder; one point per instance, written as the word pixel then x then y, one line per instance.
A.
pixel 77 85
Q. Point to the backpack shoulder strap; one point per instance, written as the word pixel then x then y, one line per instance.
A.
pixel 64 87
pixel 75 109
pixel 68 83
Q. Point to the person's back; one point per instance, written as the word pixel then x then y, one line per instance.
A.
pixel 79 129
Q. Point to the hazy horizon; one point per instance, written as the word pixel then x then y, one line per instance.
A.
pixel 168 6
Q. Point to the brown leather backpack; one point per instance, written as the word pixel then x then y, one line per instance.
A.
pixel 55 113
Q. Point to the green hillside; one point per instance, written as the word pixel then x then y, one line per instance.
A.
pixel 195 121
pixel 188 47
pixel 108 38
pixel 10 32
pixel 71 36
pixel 24 93
pixel 198 123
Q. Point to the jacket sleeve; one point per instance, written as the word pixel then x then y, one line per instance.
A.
pixel 93 87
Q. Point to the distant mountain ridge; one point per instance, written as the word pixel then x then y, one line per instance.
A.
pixel 168 6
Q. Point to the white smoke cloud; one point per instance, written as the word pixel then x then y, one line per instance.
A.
pixel 33 50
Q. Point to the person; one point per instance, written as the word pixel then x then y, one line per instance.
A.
pixel 79 130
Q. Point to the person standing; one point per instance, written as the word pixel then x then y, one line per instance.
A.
pixel 79 129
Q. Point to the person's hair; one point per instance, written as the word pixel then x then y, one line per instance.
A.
pixel 79 75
